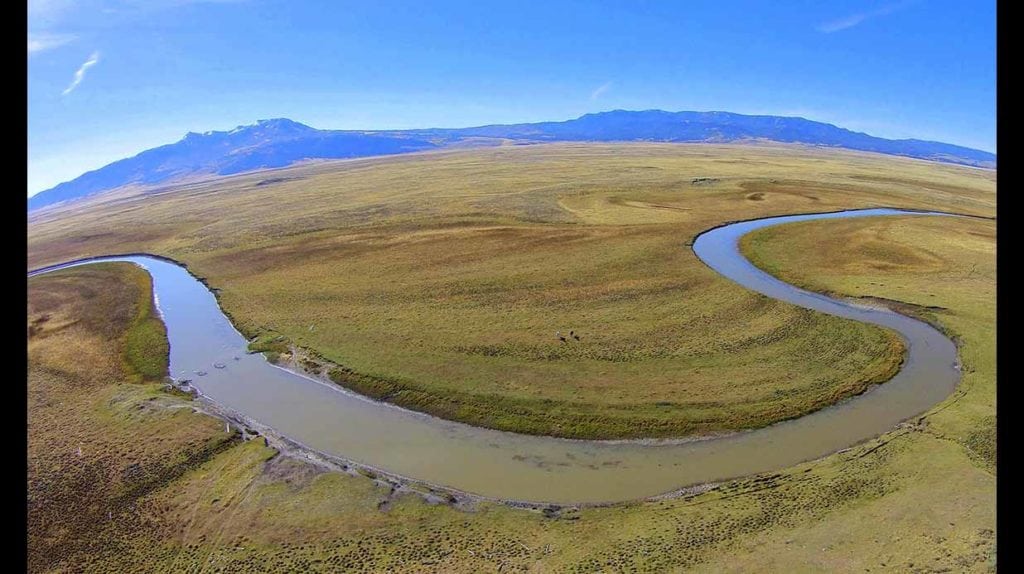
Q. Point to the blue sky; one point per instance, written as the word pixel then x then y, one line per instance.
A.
pixel 110 78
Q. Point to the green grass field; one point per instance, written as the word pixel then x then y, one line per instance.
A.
pixel 437 281
pixel 159 488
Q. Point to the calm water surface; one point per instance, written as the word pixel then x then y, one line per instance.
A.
pixel 207 349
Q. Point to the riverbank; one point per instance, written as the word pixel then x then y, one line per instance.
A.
pixel 675 422
pixel 246 509
pixel 445 296
pixel 542 470
pixel 251 429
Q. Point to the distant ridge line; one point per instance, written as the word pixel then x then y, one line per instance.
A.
pixel 281 142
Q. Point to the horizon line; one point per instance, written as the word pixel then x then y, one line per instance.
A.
pixel 708 111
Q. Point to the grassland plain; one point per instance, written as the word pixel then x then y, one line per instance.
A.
pixel 437 281
pixel 918 499
pixel 916 267
pixel 100 432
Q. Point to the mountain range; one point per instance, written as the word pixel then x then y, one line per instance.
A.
pixel 281 142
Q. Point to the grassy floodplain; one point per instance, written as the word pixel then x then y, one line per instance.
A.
pixel 437 281
pixel 918 267
pixel 101 432
pixel 919 499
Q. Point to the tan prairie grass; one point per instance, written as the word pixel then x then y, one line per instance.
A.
pixel 918 499
pixel 940 269
pixel 100 432
pixel 438 281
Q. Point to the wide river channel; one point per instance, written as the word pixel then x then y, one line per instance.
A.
pixel 510 466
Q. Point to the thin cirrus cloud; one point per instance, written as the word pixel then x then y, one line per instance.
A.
pixel 80 73
pixel 600 91
pixel 42 42
pixel 855 19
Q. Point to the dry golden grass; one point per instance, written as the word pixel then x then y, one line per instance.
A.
pixel 100 432
pixel 438 281
pixel 919 499
pixel 941 269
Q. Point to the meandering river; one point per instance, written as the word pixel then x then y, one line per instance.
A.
pixel 206 348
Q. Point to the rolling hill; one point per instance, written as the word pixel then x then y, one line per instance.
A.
pixel 281 142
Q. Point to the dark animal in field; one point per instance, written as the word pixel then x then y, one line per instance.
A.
pixel 574 335
pixel 558 335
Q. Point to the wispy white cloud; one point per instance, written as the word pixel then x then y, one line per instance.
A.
pixel 852 20
pixel 63 8
pixel 47 17
pixel 600 90
pixel 842 23
pixel 80 73
pixel 47 8
pixel 42 42
pixel 176 3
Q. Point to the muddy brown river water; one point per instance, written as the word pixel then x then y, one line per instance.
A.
pixel 206 348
